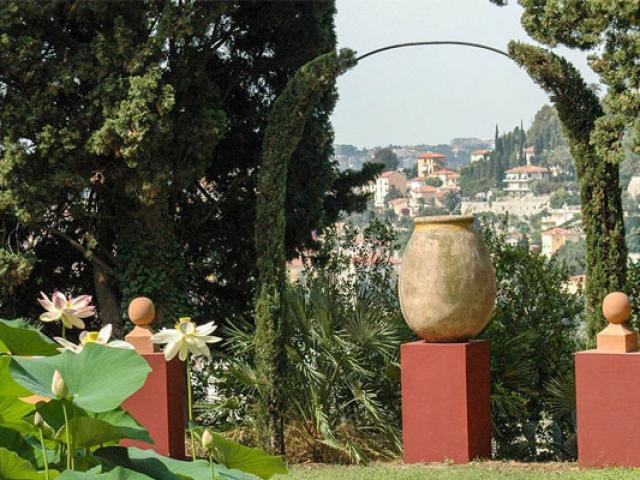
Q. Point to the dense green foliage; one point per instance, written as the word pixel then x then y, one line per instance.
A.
pixel 118 180
pixel 633 290
pixel 262 46
pixel 386 157
pixel 545 136
pixel 562 197
pixel 533 337
pixel 100 132
pixel 343 332
pixel 611 29
pixel 572 254
pixel 287 120
pixel 489 173
pixel 545 133
pixel 602 218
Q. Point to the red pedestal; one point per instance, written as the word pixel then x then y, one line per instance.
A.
pixel 159 406
pixel 446 407
pixel 608 408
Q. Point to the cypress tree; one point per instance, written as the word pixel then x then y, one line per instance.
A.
pixel 289 115
pixel 602 218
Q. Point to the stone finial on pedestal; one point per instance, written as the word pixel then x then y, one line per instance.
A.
pixel 616 337
pixel 142 313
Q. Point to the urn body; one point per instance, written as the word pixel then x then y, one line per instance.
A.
pixel 447 282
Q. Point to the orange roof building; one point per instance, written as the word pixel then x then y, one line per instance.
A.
pixel 528 169
pixel 429 162
pixel 556 237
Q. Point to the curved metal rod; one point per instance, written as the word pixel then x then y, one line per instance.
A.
pixel 435 42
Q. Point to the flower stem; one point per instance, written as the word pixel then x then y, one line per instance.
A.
pixel 211 469
pixel 68 437
pixel 44 455
pixel 190 408
pixel 64 331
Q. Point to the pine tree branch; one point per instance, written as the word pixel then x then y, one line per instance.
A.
pixel 78 246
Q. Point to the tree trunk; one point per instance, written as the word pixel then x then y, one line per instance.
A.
pixel 108 299
pixel 151 263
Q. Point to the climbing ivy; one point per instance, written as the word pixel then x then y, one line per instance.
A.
pixel 602 218
pixel 287 119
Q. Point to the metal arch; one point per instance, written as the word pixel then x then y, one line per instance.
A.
pixel 435 42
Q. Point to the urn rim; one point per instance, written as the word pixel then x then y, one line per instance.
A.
pixel 450 219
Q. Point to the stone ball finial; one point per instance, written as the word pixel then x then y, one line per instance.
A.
pixel 616 308
pixel 141 311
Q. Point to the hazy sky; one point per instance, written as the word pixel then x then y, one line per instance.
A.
pixel 433 94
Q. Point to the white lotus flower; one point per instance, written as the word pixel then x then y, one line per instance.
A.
pixel 186 338
pixel 70 311
pixel 102 337
pixel 58 387
pixel 207 439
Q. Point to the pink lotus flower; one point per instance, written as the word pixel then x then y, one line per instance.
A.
pixel 70 311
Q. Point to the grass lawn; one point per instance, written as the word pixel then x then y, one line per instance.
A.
pixel 475 471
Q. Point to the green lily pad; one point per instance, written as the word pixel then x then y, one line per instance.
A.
pixel 13 467
pixel 128 425
pixel 53 414
pixel 115 474
pixel 8 386
pixel 89 432
pixel 89 429
pixel 14 441
pixel 152 467
pixel 135 458
pixel 20 338
pixel 12 413
pixel 98 379
pixel 251 460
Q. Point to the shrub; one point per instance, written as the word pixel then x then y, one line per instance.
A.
pixel 533 336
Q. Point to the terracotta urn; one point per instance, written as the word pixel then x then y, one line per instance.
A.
pixel 447 282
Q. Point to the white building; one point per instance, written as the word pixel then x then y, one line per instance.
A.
pixel 383 185
pixel 634 187
pixel 519 179
pixel 559 216
pixel 529 154
pixel 478 155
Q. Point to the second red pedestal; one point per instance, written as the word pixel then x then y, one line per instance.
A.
pixel 608 408
pixel 159 406
pixel 446 407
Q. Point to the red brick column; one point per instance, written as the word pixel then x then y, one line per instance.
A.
pixel 446 406
pixel 160 405
pixel 608 408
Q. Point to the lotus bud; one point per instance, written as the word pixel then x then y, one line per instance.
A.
pixel 37 420
pixel 207 440
pixel 58 387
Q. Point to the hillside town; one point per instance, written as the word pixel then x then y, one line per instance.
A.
pixel 523 184
pixel 436 189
